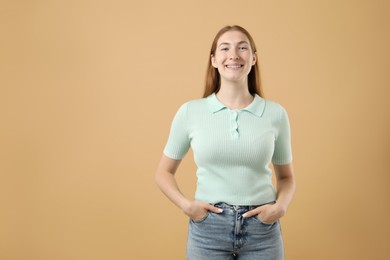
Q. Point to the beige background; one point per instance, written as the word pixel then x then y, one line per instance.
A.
pixel 88 90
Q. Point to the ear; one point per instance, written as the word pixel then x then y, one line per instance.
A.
pixel 213 62
pixel 254 60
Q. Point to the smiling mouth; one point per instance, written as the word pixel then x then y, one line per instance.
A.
pixel 234 66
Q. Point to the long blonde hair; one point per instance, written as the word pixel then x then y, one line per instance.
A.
pixel 213 79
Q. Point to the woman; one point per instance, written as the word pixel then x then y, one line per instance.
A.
pixel 234 134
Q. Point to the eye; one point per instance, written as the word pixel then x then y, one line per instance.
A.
pixel 243 48
pixel 225 49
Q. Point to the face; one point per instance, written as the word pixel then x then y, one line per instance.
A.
pixel 233 57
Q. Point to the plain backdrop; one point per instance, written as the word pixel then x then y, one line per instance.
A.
pixel 88 90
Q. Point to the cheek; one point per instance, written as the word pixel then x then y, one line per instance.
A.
pixel 218 61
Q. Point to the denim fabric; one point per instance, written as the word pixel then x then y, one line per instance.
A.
pixel 228 236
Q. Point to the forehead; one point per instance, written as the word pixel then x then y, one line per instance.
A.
pixel 231 37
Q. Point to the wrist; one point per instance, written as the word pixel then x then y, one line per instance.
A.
pixel 282 209
pixel 184 205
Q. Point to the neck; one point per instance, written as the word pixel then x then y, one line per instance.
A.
pixel 234 95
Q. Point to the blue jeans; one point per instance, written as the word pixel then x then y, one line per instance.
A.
pixel 227 235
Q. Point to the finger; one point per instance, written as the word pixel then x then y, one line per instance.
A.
pixel 255 211
pixel 251 213
pixel 214 209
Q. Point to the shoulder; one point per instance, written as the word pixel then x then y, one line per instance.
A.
pixel 274 107
pixel 194 105
pixel 196 102
pixel 274 110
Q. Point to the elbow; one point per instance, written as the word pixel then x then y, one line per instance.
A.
pixel 157 177
pixel 160 177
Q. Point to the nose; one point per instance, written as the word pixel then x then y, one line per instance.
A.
pixel 234 55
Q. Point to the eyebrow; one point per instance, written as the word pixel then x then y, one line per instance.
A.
pixel 226 43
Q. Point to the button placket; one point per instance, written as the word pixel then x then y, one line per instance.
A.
pixel 234 124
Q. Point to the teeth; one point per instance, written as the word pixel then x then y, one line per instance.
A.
pixel 234 67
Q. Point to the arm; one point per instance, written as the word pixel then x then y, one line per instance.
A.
pixel 165 179
pixel 285 186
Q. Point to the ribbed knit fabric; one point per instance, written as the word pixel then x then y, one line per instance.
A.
pixel 232 148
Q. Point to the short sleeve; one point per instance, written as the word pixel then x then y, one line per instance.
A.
pixel 282 153
pixel 178 142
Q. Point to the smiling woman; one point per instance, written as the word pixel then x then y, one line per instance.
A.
pixel 235 134
pixel 213 77
pixel 233 57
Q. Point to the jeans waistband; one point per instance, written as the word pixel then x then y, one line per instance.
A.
pixel 223 205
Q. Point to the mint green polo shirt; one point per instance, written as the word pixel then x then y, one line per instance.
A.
pixel 232 148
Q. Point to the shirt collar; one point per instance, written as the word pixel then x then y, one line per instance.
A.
pixel 256 107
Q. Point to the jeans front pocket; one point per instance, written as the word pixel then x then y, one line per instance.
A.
pixel 257 217
pixel 201 219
